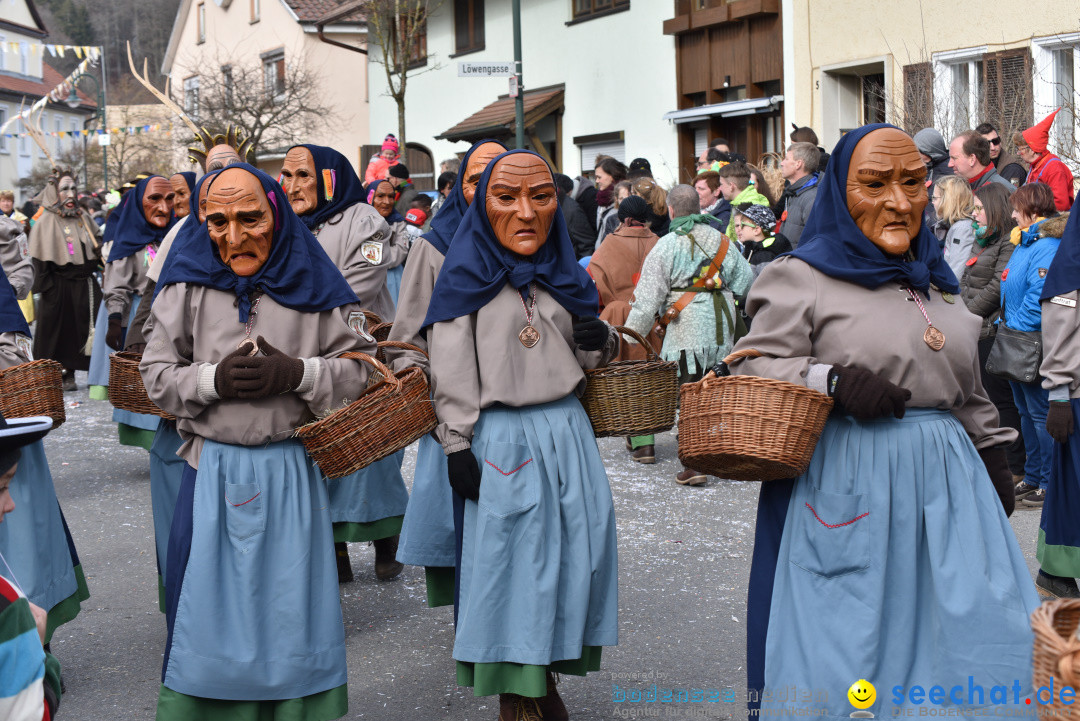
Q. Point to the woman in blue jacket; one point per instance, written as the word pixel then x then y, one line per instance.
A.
pixel 1021 286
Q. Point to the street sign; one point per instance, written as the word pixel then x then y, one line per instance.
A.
pixel 104 139
pixel 484 70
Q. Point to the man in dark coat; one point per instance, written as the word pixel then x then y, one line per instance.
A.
pixel 582 233
pixel 1007 165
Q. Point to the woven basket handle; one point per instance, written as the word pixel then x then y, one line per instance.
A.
pixel 741 354
pixel 387 374
pixel 403 346
pixel 650 352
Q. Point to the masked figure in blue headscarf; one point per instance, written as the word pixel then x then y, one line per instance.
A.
pixel 891 559
pixel 249 323
pixel 381 195
pixel 36 549
pixel 136 228
pixel 511 325
pixel 427 534
pixel 325 192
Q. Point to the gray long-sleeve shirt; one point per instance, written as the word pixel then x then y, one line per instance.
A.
pixel 123 279
pixel 477 361
pixel 1060 367
pixel 195 327
pixel 804 322
pixel 15 257
pixel 363 247
pixel 416 286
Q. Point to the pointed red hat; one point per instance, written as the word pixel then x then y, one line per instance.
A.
pixel 1038 135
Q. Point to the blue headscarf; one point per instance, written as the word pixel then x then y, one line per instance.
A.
pixel 1064 274
pixel 477 266
pixel 108 233
pixel 832 243
pixel 369 194
pixel 191 233
pixel 11 315
pixel 446 221
pixel 298 273
pixel 189 178
pixel 338 186
pixel 133 230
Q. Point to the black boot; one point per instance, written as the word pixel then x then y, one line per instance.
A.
pixel 387 567
pixel 344 567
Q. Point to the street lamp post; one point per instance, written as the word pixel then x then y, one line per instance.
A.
pixel 73 101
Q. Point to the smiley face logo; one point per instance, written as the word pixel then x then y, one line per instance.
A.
pixel 862 694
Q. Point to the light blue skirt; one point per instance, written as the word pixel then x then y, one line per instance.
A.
pixel 166 470
pixel 427 533
pixel 32 538
pixel 539 568
pixel 99 351
pixel 253 607
pixel 897 565
pixel 393 281
pixel 371 494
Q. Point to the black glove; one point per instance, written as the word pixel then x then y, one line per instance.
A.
pixel 113 338
pixel 590 333
pixel 464 473
pixel 225 375
pixel 997 465
pixel 865 395
pixel 1059 421
pixel 267 375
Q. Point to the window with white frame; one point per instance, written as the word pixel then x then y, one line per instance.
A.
pixel 191 97
pixel 1056 70
pixel 24 58
pixel 3 51
pixel 58 128
pixel 958 91
pixel 274 73
pixel 24 139
pixel 3 136
pixel 73 126
pixel 43 125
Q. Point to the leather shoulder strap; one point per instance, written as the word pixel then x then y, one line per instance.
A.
pixel 685 298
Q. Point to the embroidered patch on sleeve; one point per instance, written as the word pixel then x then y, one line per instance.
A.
pixel 372 251
pixel 358 323
pixel 1042 272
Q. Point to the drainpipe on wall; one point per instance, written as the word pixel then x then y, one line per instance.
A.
pixel 343 11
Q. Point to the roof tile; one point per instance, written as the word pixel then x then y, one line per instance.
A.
pixel 310 11
pixel 500 114
pixel 34 89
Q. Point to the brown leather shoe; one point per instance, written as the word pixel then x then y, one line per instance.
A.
pixel 687 477
pixel 344 567
pixel 645 454
pixel 387 566
pixel 518 708
pixel 551 706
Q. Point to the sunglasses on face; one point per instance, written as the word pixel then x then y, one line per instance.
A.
pixel 994 141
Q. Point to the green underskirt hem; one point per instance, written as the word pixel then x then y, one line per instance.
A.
pixel 348 532
pixel 440 585
pixel 99 393
pixel 161 593
pixel 132 436
pixel 637 442
pixel 69 608
pixel 323 706
pixel 1058 560
pixel 488 679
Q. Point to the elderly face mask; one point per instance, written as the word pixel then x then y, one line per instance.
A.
pixel 886 189
pixel 182 199
pixel 299 180
pixel 521 202
pixel 240 221
pixel 221 156
pixel 157 202
pixel 478 162
pixel 67 191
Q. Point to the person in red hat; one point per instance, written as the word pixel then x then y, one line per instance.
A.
pixel 1045 166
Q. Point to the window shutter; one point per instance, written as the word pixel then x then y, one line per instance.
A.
pixel 918 97
pixel 1007 96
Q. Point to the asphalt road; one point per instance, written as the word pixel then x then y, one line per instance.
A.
pixel 684 557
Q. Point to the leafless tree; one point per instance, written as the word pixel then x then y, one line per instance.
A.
pixel 134 152
pixel 399 28
pixel 277 104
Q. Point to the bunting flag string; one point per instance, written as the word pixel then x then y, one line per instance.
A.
pixel 128 130
pixel 55 50
pixel 61 91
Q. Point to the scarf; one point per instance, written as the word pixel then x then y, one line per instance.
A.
pixel 133 231
pixel 297 274
pixel 685 223
pixel 832 243
pixel 477 266
pixel 338 186
pixel 369 194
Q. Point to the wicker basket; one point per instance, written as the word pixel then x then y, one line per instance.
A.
pixel 33 389
pixel 381 333
pixel 373 319
pixel 126 389
pixel 387 417
pixel 632 398
pixel 746 428
pixel 1057 653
